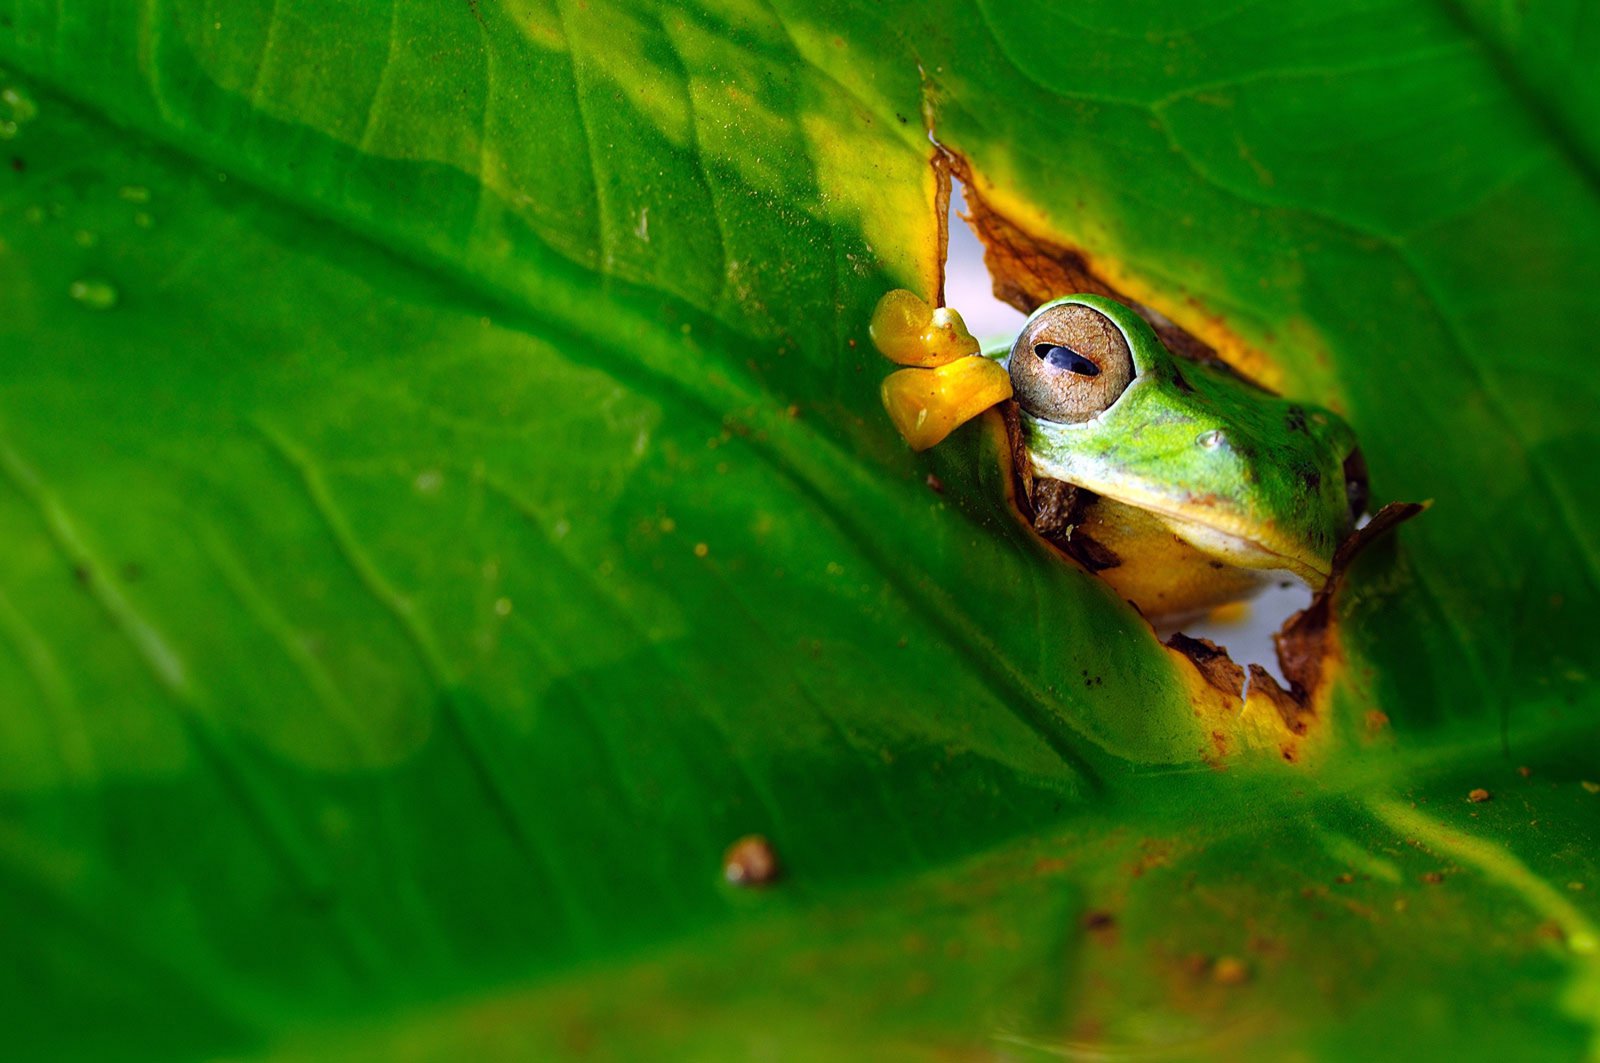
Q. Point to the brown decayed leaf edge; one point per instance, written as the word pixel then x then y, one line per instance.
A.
pixel 1028 271
pixel 1301 642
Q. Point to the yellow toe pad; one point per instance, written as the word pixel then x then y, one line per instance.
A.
pixel 928 404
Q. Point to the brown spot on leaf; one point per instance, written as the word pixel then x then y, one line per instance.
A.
pixel 751 861
pixel 1230 970
pixel 1153 853
pixel 1479 796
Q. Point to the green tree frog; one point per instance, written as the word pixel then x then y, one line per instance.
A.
pixel 1184 485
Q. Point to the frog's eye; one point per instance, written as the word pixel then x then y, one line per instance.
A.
pixel 1070 364
pixel 1059 357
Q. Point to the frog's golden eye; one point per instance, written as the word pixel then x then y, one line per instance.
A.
pixel 1070 364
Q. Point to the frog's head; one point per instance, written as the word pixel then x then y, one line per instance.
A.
pixel 1252 479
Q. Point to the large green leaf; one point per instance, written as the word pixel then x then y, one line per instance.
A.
pixel 445 503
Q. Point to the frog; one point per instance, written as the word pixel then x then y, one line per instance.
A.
pixel 1183 484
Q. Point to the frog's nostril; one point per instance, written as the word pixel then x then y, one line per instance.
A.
pixel 1355 483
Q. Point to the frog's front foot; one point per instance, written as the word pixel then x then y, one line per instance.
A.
pixel 950 384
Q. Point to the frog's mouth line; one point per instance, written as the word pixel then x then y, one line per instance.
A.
pixel 1218 540
pixel 1228 545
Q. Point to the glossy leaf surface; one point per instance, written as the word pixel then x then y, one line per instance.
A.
pixel 446 502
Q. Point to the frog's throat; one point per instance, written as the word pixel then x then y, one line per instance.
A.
pixel 1224 539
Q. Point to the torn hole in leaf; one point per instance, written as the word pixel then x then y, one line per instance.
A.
pixel 967 283
pixel 1266 677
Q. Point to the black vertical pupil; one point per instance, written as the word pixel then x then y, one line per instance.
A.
pixel 1066 358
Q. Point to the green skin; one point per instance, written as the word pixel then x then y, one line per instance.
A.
pixel 1249 478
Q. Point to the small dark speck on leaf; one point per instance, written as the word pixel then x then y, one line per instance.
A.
pixel 1433 878
pixel 1099 921
pixel 81 573
pixel 18 163
pixel 132 572
pixel 1524 771
pixel 935 483
pixel 900 116
pixel 750 861
pixel 1479 796
pixel 1345 879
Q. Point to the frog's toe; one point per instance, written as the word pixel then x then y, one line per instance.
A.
pixel 908 331
pixel 926 405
